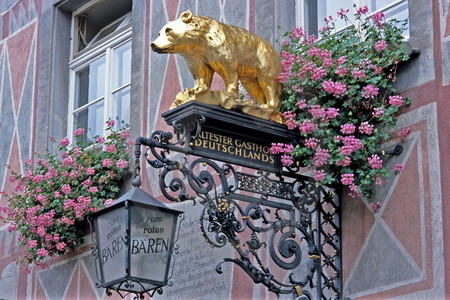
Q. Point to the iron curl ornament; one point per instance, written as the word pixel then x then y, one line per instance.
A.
pixel 280 215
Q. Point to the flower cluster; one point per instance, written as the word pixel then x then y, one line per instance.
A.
pixel 376 206
pixel 285 150
pixel 338 95
pixel 57 191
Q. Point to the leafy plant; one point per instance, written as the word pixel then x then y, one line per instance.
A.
pixel 57 191
pixel 339 94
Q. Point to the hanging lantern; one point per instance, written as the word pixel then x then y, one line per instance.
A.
pixel 135 239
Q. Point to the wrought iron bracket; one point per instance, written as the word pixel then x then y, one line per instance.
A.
pixel 286 214
pixel 397 150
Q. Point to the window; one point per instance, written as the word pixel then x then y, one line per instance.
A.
pixel 311 14
pixel 100 68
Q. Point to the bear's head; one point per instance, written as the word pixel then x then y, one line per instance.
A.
pixel 176 36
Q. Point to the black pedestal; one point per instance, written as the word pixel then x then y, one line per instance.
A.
pixel 230 136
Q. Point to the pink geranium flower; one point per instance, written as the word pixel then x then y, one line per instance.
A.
pixel 79 131
pixel 42 252
pixel 298 33
pixel 347 179
pixel 286 160
pixel 378 19
pixel 396 100
pixel 375 206
pixel 311 143
pixel 366 128
pixel 106 162
pixel 301 104
pixel 93 189
pixel 404 132
pixel 375 161
pixel 61 246
pixel 38 178
pixel 380 45
pixel 87 182
pixel 276 148
pixel 378 112
pixel 357 73
pixel 342 13
pixel 345 162
pixel 66 189
pixel 348 128
pixel 308 126
pixel 64 142
pixel 370 91
pixel 320 157
pixel 362 10
pixel 53 193
pixel 32 244
pixel 122 163
pixel 398 168
pixel 109 202
pixel 335 88
pixel 111 148
pixel 341 60
pixel 67 161
pixel 319 175
pixel 332 112
pixel 125 134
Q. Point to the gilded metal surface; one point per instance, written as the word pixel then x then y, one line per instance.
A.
pixel 236 54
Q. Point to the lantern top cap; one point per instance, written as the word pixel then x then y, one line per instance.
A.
pixel 137 195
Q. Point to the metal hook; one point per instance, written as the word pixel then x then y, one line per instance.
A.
pixel 396 151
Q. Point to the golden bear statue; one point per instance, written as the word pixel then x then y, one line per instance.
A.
pixel 209 46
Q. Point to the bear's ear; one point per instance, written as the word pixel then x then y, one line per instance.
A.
pixel 186 17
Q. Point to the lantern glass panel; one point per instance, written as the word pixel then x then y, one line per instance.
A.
pixel 111 228
pixel 151 236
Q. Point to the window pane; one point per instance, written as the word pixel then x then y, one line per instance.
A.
pixel 122 65
pixel 121 107
pixel 378 4
pixel 91 119
pixel 90 83
pixel 328 8
pixel 399 12
pixel 114 26
pixel 104 32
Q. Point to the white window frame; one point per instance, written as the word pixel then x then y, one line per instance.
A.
pixel 299 14
pixel 301 6
pixel 84 57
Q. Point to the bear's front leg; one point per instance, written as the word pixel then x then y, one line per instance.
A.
pixel 203 75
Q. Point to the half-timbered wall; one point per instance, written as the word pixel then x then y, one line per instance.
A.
pixel 399 252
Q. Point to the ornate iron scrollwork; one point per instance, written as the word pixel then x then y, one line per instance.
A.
pixel 286 215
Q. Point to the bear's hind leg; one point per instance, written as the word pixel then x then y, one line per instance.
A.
pixel 271 89
pixel 253 88
pixel 232 85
